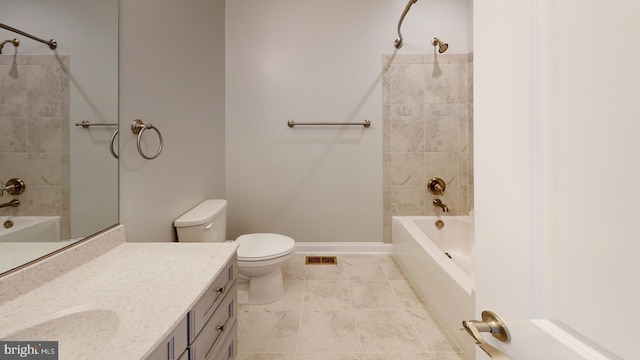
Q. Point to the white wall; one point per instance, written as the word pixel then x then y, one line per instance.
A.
pixel 87 31
pixel 316 61
pixel 172 76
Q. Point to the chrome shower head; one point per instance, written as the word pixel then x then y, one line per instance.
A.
pixel 442 47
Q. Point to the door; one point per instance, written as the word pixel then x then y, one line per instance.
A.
pixel 557 176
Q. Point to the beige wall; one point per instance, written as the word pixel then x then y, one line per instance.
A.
pixel 428 132
pixel 172 56
pixel 316 61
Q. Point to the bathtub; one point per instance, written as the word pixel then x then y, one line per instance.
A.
pixel 439 263
pixel 30 229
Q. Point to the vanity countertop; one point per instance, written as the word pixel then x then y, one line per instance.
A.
pixel 145 289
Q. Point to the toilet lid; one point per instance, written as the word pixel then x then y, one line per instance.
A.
pixel 256 247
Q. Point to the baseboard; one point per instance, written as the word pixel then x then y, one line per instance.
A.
pixel 321 248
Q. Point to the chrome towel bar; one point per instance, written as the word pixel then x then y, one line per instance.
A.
pixel 85 124
pixel 365 123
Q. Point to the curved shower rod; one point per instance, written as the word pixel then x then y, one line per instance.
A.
pixel 52 43
pixel 398 42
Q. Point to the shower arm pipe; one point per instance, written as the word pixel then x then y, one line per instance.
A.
pixel 398 42
pixel 53 44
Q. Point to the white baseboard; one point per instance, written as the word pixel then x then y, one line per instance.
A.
pixel 321 248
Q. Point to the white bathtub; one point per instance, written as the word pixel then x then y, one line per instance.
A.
pixel 439 263
pixel 30 229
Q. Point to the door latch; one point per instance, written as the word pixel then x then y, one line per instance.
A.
pixel 490 323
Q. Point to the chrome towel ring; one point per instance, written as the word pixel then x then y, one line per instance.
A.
pixel 113 139
pixel 138 127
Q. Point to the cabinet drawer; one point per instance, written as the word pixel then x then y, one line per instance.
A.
pixel 229 347
pixel 211 299
pixel 221 326
pixel 173 345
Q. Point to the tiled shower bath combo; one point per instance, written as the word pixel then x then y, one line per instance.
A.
pixel 428 132
pixel 34 141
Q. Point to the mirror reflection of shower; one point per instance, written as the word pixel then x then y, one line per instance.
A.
pixel 442 46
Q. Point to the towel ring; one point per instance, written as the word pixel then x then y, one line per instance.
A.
pixel 113 139
pixel 138 127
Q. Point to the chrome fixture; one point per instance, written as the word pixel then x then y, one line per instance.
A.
pixel 111 143
pixel 442 46
pixel 12 203
pixel 365 123
pixel 438 203
pixel 490 323
pixel 53 44
pixel 398 42
pixel 15 43
pixel 138 127
pixel 436 186
pixel 14 186
pixel 85 124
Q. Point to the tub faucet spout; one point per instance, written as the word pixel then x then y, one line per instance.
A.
pixel 12 203
pixel 440 204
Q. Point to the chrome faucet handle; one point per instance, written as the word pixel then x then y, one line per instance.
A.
pixel 14 186
pixel 436 186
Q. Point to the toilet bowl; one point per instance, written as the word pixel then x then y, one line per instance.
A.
pixel 260 256
pixel 260 260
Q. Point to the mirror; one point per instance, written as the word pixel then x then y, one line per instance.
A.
pixel 69 172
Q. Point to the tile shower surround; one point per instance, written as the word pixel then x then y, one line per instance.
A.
pixel 362 309
pixel 34 136
pixel 428 132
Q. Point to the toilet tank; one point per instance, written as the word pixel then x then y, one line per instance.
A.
pixel 206 222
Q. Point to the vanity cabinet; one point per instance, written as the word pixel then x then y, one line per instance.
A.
pixel 173 345
pixel 209 330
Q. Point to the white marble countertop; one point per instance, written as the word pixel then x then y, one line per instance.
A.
pixel 140 290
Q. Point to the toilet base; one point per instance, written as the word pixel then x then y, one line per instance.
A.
pixel 261 289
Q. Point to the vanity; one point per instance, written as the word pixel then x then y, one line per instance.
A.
pixel 109 299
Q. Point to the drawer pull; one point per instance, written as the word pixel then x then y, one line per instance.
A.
pixel 221 289
pixel 220 327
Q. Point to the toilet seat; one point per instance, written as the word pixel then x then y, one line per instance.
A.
pixel 263 246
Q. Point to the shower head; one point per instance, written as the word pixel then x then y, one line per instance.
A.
pixel 442 47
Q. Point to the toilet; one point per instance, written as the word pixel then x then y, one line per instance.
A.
pixel 260 256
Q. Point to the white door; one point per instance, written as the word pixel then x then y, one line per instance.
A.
pixel 557 176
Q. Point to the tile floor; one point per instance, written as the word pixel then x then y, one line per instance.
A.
pixel 363 308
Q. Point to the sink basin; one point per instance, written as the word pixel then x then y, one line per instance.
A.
pixel 80 335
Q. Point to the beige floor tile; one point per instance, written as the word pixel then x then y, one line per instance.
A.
pixel 243 314
pixel 325 272
pixel 363 268
pixel 328 331
pixel 373 295
pixel 327 295
pixel 392 269
pixel 364 308
pixel 269 331
pixel 294 269
pixel 266 356
pixel 431 335
pixel 329 356
pixel 291 300
pixel 407 294
pixel 392 356
pixel 448 356
pixel 387 331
